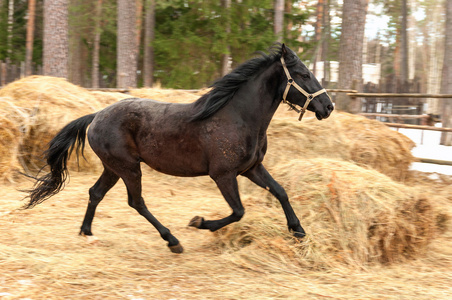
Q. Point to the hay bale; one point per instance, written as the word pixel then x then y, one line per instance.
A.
pixel 9 145
pixel 342 136
pixel 353 217
pixel 107 98
pixel 165 95
pixel 34 109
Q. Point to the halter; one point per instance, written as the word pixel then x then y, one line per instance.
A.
pixel 291 82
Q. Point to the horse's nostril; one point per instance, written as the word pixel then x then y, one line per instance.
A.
pixel 330 107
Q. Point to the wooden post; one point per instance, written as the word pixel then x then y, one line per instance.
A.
pixel 355 102
pixel 22 69
pixel 3 71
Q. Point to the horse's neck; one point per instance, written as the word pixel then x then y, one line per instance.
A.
pixel 258 99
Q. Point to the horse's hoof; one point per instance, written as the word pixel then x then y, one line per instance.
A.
pixel 299 235
pixel 176 248
pixel 196 222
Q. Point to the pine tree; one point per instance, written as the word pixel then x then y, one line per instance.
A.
pixel 96 46
pixel 446 84
pixel 56 38
pixel 149 35
pixel 30 37
pixel 127 45
pixel 351 51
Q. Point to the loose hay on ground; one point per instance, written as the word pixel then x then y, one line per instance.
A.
pixel 353 216
pixel 342 136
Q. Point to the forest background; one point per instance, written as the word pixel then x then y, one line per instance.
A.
pixel 190 38
pixel 188 44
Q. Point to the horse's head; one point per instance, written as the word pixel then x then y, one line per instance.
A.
pixel 302 87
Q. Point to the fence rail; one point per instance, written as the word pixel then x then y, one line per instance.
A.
pixel 398 95
pixel 422 127
pixel 434 161
pixel 396 116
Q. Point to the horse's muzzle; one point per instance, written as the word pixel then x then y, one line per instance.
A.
pixel 325 113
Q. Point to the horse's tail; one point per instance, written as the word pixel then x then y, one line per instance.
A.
pixel 60 148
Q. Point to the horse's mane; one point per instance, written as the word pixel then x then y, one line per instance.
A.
pixel 224 88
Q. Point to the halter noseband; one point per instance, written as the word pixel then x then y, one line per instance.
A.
pixel 291 82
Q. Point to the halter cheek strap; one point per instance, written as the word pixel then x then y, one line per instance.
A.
pixel 291 82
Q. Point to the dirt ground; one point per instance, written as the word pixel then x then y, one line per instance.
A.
pixel 43 257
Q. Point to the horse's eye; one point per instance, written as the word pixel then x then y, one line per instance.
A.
pixel 305 76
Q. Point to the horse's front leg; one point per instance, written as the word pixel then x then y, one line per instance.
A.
pixel 230 191
pixel 260 176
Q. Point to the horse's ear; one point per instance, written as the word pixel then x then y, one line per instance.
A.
pixel 283 50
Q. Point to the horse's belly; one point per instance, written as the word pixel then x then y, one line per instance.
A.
pixel 176 163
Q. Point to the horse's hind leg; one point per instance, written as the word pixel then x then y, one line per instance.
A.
pixel 132 180
pixel 96 193
pixel 230 191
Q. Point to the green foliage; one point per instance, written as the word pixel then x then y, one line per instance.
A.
pixel 19 32
pixel 3 30
pixel 190 36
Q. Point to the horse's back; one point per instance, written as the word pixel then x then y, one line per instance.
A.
pixel 158 133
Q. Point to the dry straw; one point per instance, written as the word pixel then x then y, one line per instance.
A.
pixel 165 95
pixel 342 136
pixel 353 216
pixel 33 110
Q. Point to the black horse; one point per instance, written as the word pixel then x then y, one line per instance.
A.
pixel 223 135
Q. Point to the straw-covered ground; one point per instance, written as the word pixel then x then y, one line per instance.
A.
pixel 375 230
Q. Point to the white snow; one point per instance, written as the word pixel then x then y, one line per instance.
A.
pixel 427 146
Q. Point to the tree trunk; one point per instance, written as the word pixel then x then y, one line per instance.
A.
pixel 446 84
pixel 351 52
pixel 76 48
pixel 96 46
pixel 278 24
pixel 318 36
pixel 9 42
pixel 139 28
pixel 289 25
pixel 127 45
pixel 433 68
pixel 30 38
pixel 326 42
pixel 404 47
pixel 149 32
pixel 412 39
pixel 225 58
pixel 425 63
pixel 55 57
pixel 139 21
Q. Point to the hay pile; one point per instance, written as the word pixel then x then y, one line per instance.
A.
pixel 9 144
pixel 33 110
pixel 167 95
pixel 107 98
pixel 342 136
pixel 353 217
